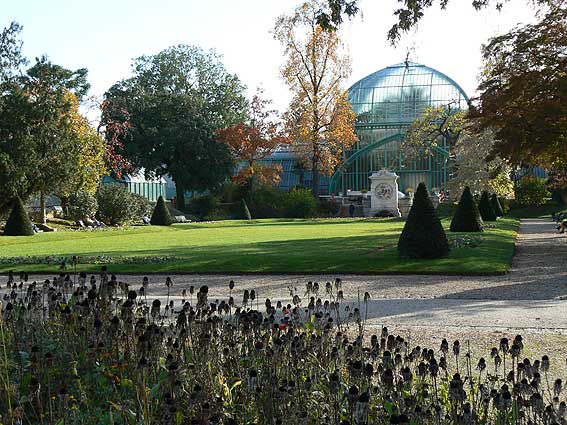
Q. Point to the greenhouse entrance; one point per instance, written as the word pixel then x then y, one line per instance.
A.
pixel 353 175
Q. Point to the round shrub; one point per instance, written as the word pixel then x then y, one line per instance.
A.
pixel 203 206
pixel 532 191
pixel 485 208
pixel 467 217
pixel 161 215
pixel 82 204
pixel 117 205
pixel 423 235
pixel 496 205
pixel 18 223
pixel 299 203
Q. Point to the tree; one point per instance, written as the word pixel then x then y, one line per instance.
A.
pixel 88 161
pixel 254 140
pixel 523 91
pixel 496 205
pixel 38 142
pixel 161 215
pixel 320 119
pixel 423 235
pixel 11 57
pixel 449 128
pixel 18 223
pixel 485 208
pixel 467 217
pixel 164 119
pixel 408 15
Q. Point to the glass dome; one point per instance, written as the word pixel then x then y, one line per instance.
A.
pixel 387 102
pixel 399 93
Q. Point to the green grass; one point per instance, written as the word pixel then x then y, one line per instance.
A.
pixel 265 246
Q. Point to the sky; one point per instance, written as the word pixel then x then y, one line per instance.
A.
pixel 105 35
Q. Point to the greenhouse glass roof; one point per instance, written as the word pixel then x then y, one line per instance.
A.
pixel 398 94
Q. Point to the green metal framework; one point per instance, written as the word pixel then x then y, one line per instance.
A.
pixel 387 102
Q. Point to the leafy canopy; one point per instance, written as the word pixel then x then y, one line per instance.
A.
pixel 320 119
pixel 165 117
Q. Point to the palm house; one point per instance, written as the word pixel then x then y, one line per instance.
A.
pixel 387 102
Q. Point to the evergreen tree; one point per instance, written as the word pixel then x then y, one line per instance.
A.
pixel 495 202
pixel 467 217
pixel 423 235
pixel 18 223
pixel 246 211
pixel 161 216
pixel 485 208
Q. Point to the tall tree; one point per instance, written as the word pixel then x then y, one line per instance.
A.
pixel 165 117
pixel 320 118
pixel 408 15
pixel 38 144
pixel 254 140
pixel 523 91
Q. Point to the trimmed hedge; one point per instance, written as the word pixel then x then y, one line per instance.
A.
pixel 423 235
pixel 485 208
pixel 18 223
pixel 467 217
pixel 161 216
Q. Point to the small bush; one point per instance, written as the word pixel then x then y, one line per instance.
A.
pixel 532 191
pixel 423 235
pixel 203 206
pixel 485 208
pixel 142 205
pixel 467 217
pixel 117 205
pixel 299 203
pixel 18 223
pixel 82 204
pixel 161 216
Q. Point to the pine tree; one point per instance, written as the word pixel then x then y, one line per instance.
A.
pixel 423 235
pixel 485 208
pixel 495 202
pixel 161 215
pixel 467 217
pixel 18 223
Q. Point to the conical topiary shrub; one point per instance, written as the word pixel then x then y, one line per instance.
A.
pixel 423 235
pixel 18 223
pixel 467 217
pixel 485 208
pixel 246 211
pixel 494 201
pixel 161 215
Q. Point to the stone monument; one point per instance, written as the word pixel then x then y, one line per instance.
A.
pixel 384 193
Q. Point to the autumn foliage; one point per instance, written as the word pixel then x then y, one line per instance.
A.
pixel 253 141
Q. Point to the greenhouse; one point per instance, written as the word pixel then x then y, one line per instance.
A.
pixel 387 102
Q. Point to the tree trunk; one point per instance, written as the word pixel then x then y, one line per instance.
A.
pixel 180 197
pixel 43 215
pixel 316 178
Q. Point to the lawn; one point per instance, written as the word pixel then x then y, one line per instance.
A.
pixel 261 246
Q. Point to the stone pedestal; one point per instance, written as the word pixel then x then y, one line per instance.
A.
pixel 384 193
